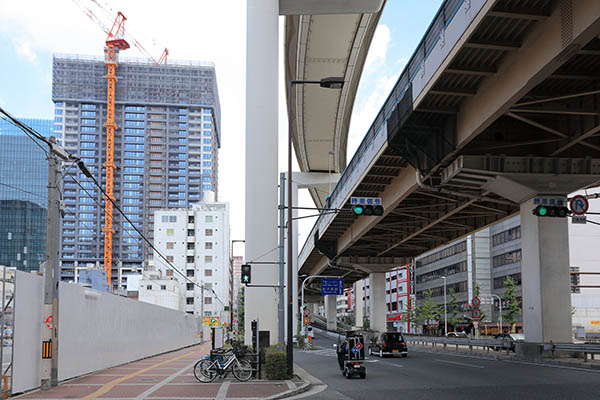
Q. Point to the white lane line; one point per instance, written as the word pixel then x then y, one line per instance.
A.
pixel 459 363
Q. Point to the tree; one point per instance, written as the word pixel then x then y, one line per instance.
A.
pixel 240 313
pixel 513 308
pixel 429 311
pixel 453 309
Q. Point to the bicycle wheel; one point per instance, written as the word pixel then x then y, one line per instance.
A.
pixel 205 371
pixel 242 370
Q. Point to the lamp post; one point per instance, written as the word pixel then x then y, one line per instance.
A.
pixel 234 295
pixel 500 304
pixel 302 300
pixel 445 309
pixel 329 83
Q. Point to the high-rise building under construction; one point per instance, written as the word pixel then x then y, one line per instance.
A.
pixel 165 150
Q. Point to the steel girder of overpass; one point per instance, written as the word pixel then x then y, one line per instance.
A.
pixel 324 44
pixel 511 86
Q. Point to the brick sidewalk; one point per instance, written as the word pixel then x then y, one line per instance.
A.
pixel 167 376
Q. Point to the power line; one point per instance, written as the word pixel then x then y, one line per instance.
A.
pixel 35 135
pixel 21 190
pixel 169 264
pixel 29 131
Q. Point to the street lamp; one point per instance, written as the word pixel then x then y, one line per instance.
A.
pixel 445 309
pixel 500 304
pixel 329 83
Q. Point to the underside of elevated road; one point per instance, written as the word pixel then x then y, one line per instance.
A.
pixel 515 102
pixel 319 46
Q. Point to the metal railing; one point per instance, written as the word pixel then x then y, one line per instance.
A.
pixel 433 35
pixel 586 349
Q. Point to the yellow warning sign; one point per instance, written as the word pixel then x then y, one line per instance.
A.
pixel 210 321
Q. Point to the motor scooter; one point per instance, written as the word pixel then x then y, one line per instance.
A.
pixel 354 356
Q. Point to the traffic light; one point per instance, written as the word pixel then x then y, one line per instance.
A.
pixel 246 273
pixel 361 209
pixel 551 211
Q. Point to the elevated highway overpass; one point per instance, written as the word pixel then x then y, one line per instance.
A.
pixel 497 107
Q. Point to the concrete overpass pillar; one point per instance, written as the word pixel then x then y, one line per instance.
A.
pixel 262 75
pixel 359 305
pixel 331 312
pixel 378 310
pixel 545 277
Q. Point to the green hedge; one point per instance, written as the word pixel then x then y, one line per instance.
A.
pixel 275 364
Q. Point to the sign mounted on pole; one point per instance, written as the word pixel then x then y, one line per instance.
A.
pixel 332 286
pixel 579 205
pixel 476 301
pixel 366 206
pixel 476 313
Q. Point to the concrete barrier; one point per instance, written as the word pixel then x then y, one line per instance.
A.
pixel 97 330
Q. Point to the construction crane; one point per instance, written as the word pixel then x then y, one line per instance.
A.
pixel 115 42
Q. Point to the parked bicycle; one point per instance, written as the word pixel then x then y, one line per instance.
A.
pixel 220 362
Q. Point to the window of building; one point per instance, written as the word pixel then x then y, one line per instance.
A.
pixel 447 252
pixel 208 245
pixel 169 272
pixel 190 219
pixel 500 282
pixel 208 218
pixel 190 259
pixel 170 232
pixel 208 232
pixel 207 313
pixel 191 246
pixel 208 300
pixel 163 287
pixel 148 287
pixel 170 245
pixel 169 218
pixel 208 259
pixel 190 273
pixel 208 285
pixel 189 286
pixel 189 300
pixel 506 236
pixel 208 272
pixel 170 258
pixel 506 258
pixel 190 232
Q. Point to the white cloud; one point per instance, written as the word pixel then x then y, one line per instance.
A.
pixel 24 49
pixel 379 76
pixel 379 49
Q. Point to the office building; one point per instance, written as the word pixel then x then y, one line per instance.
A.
pixel 23 195
pixel 196 241
pixel 165 150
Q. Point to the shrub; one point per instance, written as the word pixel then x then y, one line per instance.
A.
pixel 275 364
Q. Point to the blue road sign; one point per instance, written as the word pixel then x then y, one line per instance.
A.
pixel 332 286
pixel 355 350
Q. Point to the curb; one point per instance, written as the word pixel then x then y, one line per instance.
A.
pixel 309 382
pixel 291 392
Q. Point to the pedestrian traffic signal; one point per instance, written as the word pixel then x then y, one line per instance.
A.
pixel 551 211
pixel 360 209
pixel 246 273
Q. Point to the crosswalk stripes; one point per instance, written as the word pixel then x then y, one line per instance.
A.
pixel 321 352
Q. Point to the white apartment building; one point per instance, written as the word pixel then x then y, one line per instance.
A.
pixel 196 241
pixel 160 290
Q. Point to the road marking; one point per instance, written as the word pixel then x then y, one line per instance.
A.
pixel 459 363
pixel 165 381
pixel 108 386
pixel 222 393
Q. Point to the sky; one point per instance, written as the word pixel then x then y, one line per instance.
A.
pixel 203 30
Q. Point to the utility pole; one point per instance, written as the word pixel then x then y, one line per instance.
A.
pixel 281 306
pixel 49 376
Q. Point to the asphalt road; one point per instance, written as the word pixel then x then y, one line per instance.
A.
pixel 436 376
